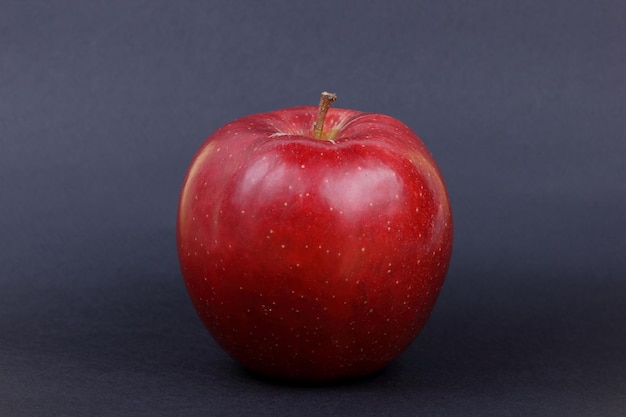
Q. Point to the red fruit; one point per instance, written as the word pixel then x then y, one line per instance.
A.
pixel 314 254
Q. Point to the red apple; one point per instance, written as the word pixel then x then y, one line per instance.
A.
pixel 314 241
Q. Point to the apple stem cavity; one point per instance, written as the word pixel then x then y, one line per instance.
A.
pixel 326 101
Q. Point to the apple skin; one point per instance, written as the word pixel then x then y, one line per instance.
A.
pixel 314 259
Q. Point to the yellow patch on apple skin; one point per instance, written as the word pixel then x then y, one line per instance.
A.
pixel 184 210
pixel 336 125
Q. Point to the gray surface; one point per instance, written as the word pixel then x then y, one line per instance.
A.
pixel 102 105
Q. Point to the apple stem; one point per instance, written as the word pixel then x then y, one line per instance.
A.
pixel 326 101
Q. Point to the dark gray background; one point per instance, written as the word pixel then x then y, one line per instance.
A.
pixel 102 105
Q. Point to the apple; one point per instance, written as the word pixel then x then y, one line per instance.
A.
pixel 314 241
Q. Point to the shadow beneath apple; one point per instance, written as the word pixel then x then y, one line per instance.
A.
pixel 334 384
